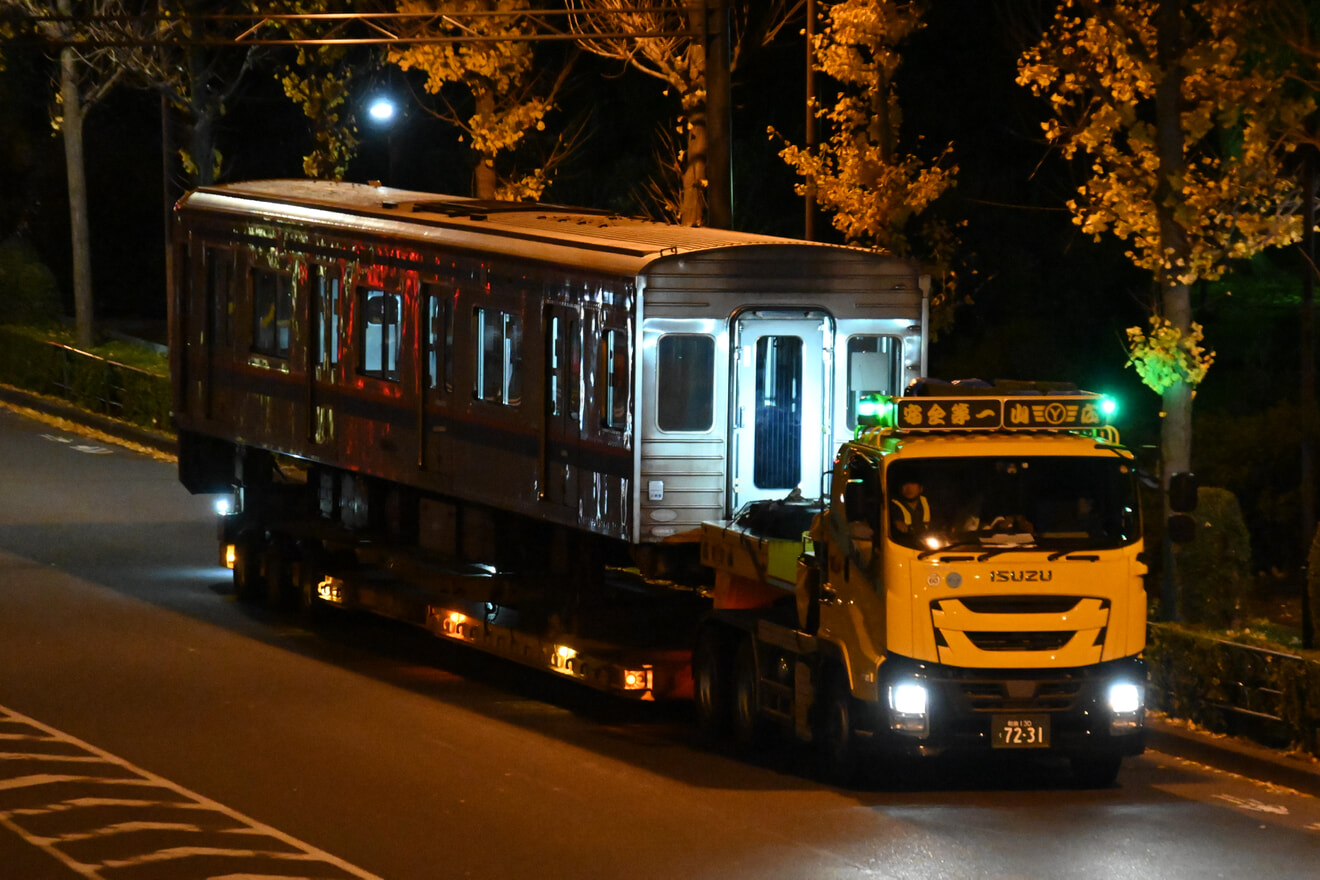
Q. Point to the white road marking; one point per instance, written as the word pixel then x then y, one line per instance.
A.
pixel 283 857
pixel 88 448
pixel 93 450
pixel 1253 805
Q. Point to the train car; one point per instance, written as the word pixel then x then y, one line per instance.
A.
pixel 448 370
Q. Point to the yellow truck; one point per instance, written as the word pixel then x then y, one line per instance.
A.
pixel 972 580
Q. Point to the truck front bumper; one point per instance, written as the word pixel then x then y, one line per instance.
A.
pixel 926 708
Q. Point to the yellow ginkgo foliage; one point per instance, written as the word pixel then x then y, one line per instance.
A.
pixel 1225 196
pixel 1177 116
pixel 858 172
pixel 498 74
pixel 1166 355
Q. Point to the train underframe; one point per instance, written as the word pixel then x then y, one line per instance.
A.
pixel 300 535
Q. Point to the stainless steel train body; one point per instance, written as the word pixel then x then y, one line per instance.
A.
pixel 613 376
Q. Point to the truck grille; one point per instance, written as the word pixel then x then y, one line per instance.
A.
pixel 1021 604
pixel 975 630
pixel 1013 695
pixel 1020 641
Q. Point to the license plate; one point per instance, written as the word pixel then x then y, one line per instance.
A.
pixel 1022 731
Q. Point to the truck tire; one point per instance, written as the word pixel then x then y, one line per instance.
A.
pixel 1095 771
pixel 710 676
pixel 835 734
pixel 749 728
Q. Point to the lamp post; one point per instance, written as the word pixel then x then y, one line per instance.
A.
pixel 384 113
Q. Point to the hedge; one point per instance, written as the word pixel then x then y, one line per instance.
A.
pixel 93 383
pixel 1227 687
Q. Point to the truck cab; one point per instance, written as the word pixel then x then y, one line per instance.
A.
pixel 972 582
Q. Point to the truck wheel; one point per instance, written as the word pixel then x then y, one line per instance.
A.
pixel 1095 771
pixel 248 583
pixel 710 673
pixel 835 736
pixel 749 730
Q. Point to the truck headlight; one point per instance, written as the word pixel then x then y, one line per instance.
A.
pixel 1126 702
pixel 908 707
pixel 1124 698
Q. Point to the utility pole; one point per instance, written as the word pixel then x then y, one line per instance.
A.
pixel 719 117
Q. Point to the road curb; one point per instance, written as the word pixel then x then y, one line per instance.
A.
pixel 161 441
pixel 1233 754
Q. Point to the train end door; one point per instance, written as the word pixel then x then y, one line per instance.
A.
pixel 781 424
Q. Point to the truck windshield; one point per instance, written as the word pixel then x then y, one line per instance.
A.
pixel 1045 502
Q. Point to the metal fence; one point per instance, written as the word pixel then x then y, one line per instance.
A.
pixel 1268 695
pixel 89 381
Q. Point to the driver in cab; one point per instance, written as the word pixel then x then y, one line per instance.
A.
pixel 909 511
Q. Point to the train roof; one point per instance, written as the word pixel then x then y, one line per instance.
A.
pixel 535 230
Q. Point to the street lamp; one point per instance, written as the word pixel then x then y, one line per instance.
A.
pixel 381 109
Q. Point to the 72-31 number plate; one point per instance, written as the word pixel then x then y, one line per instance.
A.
pixel 1021 731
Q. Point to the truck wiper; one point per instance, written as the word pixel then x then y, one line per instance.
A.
pixel 1080 557
pixel 996 549
pixel 950 548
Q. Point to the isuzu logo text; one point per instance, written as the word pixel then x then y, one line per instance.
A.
pixel 1039 576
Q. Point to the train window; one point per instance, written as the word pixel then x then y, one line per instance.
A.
pixel 439 337
pixel 685 379
pixel 327 316
pixel 777 422
pixel 219 274
pixel 574 368
pixel 272 312
pixel 564 366
pixel 499 356
pixel 874 367
pixel 381 334
pixel 614 371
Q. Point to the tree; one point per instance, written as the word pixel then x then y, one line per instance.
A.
pixel 87 72
pixel 667 43
pixel 497 75
pixel 320 82
pixel 197 81
pixel 1179 122
pixel 859 172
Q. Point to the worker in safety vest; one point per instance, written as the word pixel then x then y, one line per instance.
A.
pixel 910 511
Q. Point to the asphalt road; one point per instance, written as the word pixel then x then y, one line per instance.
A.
pixel 152 727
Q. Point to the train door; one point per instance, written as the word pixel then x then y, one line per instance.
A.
pixel 435 444
pixel 324 305
pixel 781 415
pixel 563 404
pixel 218 328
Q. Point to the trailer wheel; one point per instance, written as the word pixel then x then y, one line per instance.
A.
pixel 835 735
pixel 710 675
pixel 1095 771
pixel 749 730
pixel 248 583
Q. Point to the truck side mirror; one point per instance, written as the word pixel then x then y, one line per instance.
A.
pixel 1182 528
pixel 1182 492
